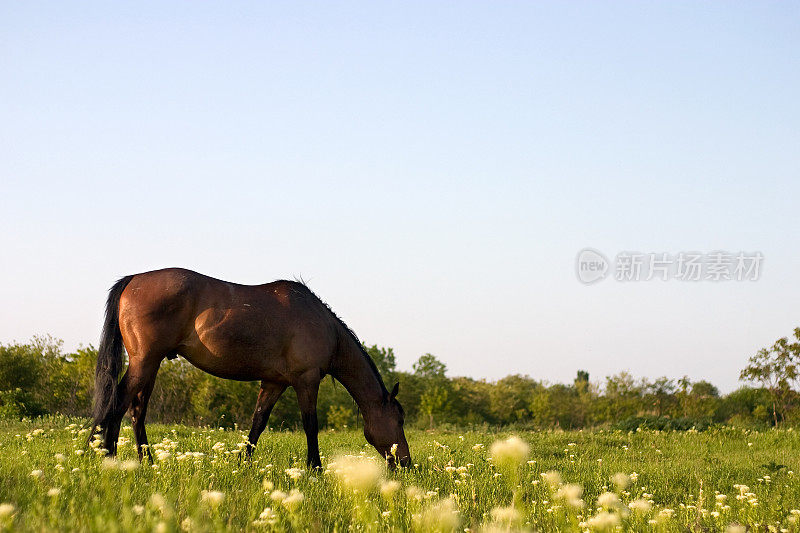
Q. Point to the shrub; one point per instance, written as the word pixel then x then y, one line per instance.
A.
pixel 663 423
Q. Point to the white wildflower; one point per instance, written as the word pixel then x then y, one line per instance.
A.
pixel 278 496
pixel 506 515
pixel 293 500
pixel 440 517
pixel 510 452
pixel 621 480
pixel 552 478
pixel 608 500
pixel 212 497
pixel 640 506
pixel 388 488
pixel 571 495
pixel 604 521
pixel 295 473
pixel 6 510
pixel 267 516
pixel 356 472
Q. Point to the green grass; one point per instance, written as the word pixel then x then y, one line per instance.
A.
pixel 671 471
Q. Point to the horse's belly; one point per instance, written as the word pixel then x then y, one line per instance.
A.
pixel 235 345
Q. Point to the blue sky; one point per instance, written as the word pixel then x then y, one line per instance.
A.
pixel 431 169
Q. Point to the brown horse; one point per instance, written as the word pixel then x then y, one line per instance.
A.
pixel 279 333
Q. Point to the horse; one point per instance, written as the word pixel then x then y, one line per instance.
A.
pixel 278 333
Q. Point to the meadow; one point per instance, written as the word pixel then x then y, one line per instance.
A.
pixel 723 479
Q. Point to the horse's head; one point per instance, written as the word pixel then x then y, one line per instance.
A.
pixel 383 428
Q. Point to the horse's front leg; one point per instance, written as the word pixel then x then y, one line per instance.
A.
pixel 267 397
pixel 307 388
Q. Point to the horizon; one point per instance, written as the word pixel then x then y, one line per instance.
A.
pixel 639 379
pixel 432 171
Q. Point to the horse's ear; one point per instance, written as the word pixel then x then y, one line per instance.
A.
pixel 395 390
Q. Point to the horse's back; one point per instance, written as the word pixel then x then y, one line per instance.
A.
pixel 269 331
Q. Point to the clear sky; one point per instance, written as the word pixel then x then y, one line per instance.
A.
pixel 430 168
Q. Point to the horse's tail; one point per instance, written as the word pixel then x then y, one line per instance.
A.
pixel 109 360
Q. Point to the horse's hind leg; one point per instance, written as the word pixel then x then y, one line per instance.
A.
pixel 138 414
pixel 141 371
pixel 307 388
pixel 267 397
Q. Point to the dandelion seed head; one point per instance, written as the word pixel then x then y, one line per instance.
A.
pixel 357 473
pixel 666 513
pixel 293 500
pixel 389 488
pixel 414 493
pixel 278 496
pixel 158 501
pixel 570 494
pixel 441 516
pixel 212 497
pixel 608 500
pixel 506 515
pixel 512 451
pixel 736 528
pixel 552 478
pixel 6 510
pixel 640 506
pixel 621 480
pixel 604 521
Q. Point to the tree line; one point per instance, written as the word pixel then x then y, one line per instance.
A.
pixel 39 377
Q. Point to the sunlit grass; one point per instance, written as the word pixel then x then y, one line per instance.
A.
pixel 598 480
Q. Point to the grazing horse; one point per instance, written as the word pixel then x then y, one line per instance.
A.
pixel 280 333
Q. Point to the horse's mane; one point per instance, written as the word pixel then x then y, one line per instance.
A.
pixel 348 332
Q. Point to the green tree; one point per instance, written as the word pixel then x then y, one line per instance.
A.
pixel 777 371
pixel 385 361
pixel 435 386
pixel 33 372
pixel 471 401
pixel 661 394
pixel 622 398
pixel 510 398
pixel 429 367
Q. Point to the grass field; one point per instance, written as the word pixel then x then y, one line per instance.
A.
pixel 548 481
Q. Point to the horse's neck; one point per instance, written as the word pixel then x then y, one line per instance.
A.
pixel 353 371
